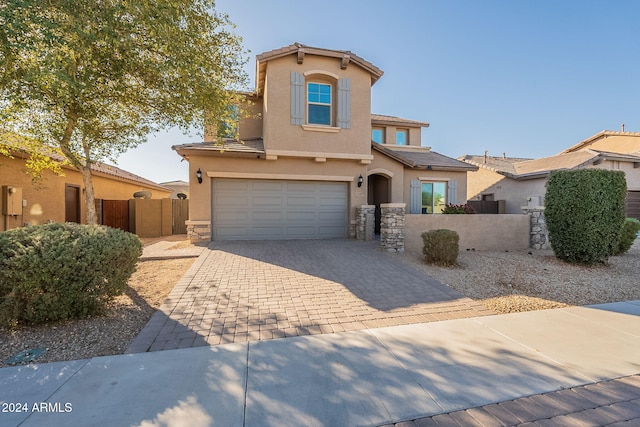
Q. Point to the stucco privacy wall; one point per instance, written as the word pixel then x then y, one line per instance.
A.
pixel 45 200
pixel 479 232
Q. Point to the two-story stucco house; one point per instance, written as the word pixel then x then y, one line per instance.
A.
pixel 310 153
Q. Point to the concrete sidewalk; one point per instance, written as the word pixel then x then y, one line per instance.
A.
pixel 368 378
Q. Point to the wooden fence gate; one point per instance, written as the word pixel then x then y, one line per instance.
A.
pixel 115 213
pixel 180 215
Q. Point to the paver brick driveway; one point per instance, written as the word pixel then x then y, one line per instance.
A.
pixel 241 291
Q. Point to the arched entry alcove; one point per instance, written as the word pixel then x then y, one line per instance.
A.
pixel 379 191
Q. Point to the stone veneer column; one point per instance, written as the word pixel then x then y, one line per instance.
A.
pixel 361 221
pixel 198 231
pixel 539 237
pixel 392 225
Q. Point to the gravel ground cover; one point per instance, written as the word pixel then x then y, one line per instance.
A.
pixel 508 282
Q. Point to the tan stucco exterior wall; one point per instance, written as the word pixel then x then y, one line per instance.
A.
pixel 45 201
pixel 479 232
pixel 383 165
pixel 280 135
pixel 514 193
pixel 631 174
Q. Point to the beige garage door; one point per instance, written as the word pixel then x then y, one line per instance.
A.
pixel 244 209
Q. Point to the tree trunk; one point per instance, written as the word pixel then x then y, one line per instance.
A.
pixel 89 195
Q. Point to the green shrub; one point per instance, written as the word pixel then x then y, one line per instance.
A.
pixel 458 209
pixel 585 211
pixel 629 234
pixel 440 247
pixel 62 271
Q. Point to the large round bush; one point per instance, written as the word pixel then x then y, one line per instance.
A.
pixel 63 271
pixel 585 211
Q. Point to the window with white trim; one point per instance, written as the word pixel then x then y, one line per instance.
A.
pixel 434 197
pixel 319 103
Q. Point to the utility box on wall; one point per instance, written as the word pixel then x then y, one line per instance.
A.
pixel 11 200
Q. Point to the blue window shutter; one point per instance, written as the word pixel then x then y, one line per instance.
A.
pixel 452 197
pixel 415 202
pixel 344 103
pixel 297 98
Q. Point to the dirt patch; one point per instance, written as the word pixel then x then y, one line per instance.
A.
pixel 103 335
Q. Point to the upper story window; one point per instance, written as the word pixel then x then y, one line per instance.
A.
pixel 320 100
pixel 402 137
pixel 319 109
pixel 377 135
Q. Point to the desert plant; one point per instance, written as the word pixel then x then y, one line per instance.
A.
pixel 629 234
pixel 585 211
pixel 458 209
pixel 62 271
pixel 440 247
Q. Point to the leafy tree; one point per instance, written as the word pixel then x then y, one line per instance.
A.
pixel 92 78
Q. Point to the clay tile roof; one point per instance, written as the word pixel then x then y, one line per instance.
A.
pixel 592 138
pixel 535 168
pixel 228 145
pixel 423 159
pixel 496 164
pixel 115 171
pixel 379 119
pixel 301 50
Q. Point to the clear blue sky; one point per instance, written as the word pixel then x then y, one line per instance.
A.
pixel 528 78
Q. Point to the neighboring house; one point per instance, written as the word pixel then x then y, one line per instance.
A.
pixel 306 156
pixel 178 187
pixel 60 198
pixel 521 182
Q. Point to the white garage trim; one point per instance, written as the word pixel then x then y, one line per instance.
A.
pixel 285 177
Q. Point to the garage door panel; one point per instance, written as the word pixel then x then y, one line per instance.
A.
pixel 265 201
pixel 301 216
pixel 235 232
pixel 331 216
pixel 237 216
pixel 301 201
pixel 263 209
pixel 259 233
pixel 276 186
pixel 232 200
pixel 267 216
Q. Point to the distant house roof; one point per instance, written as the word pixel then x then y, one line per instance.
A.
pixel 423 159
pixel 123 175
pixel 603 134
pixel 346 57
pixel 379 119
pixel 246 146
pixel 99 168
pixel 175 183
pixel 521 169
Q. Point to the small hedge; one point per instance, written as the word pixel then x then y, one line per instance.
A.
pixel 441 247
pixel 452 209
pixel 585 211
pixel 56 272
pixel 629 234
